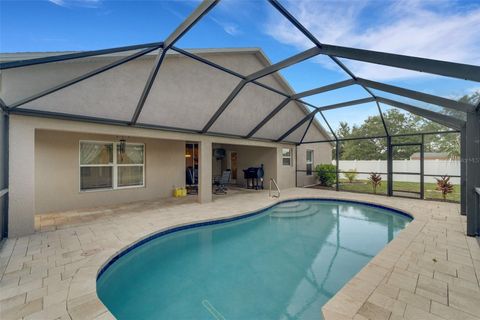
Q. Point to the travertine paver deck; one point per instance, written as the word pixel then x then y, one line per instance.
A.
pixel 431 270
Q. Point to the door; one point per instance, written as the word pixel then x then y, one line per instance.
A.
pixel 191 164
pixel 233 164
pixel 407 170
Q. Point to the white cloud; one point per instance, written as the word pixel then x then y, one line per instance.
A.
pixel 230 28
pixel 60 3
pixel 77 3
pixel 435 29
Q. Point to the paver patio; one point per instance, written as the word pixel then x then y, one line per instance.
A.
pixel 431 270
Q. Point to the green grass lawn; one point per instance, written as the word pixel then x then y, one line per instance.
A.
pixel 430 192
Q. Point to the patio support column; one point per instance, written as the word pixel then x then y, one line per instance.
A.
pixel 463 171
pixel 205 171
pixel 472 161
pixel 21 173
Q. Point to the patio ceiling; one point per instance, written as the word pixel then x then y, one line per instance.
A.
pixel 217 123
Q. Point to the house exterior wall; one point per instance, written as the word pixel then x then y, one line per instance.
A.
pixel 57 172
pixel 322 154
pixel 39 147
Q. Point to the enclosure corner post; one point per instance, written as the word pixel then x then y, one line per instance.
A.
pixel 422 168
pixel 337 158
pixel 472 161
pixel 389 166
pixel 463 171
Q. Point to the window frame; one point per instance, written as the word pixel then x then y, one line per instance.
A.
pixel 309 162
pixel 289 157
pixel 114 165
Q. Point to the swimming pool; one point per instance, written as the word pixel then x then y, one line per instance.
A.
pixel 285 262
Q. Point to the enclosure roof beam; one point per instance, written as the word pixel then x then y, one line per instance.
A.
pixel 226 70
pixel 306 130
pixel 328 125
pixel 75 55
pixel 312 38
pixel 307 54
pixel 256 75
pixel 297 97
pixel 448 103
pixel 107 121
pixel 430 115
pixel 326 88
pixel 297 125
pixel 329 107
pixel 346 104
pixel 207 62
pixel 190 21
pixel 382 118
pixel 82 77
pixel 148 85
pixel 443 68
pixel 3 106
pixel 268 117
pixel 186 25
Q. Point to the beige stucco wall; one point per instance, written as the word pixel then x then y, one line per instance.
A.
pixel 57 172
pixel 322 153
pixel 249 157
pixel 55 142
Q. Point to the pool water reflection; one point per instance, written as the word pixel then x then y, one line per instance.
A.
pixel 284 263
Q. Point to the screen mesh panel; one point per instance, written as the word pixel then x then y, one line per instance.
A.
pixel 251 106
pixel 297 135
pixel 362 120
pixel 186 93
pixel 23 82
pixel 281 122
pixel 316 132
pixel 103 96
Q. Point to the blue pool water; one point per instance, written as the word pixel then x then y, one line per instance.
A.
pixel 283 263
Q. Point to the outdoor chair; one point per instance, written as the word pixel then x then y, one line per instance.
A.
pixel 221 182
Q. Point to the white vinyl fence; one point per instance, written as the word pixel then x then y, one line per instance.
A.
pixel 432 167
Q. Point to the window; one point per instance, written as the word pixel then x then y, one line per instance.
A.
pixel 286 156
pixel 103 168
pixel 309 162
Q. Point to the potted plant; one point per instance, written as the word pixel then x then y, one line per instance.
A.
pixel 445 186
pixel 376 180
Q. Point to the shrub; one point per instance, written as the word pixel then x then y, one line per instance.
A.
pixel 351 175
pixel 444 185
pixel 376 180
pixel 326 174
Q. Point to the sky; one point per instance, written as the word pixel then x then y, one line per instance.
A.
pixel 438 29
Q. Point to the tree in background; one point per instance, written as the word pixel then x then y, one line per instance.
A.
pixel 399 122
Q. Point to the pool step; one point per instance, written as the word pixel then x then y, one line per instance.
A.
pixel 293 211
